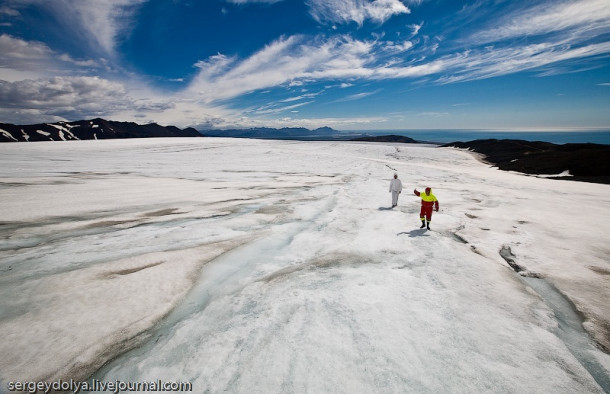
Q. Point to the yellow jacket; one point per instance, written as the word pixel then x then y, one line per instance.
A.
pixel 427 199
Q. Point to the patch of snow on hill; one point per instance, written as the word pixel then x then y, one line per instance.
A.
pixel 65 128
pixel 7 135
pixel 564 173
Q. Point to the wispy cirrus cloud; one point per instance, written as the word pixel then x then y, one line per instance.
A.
pixel 397 47
pixel 346 11
pixel 578 20
pixel 102 22
pixel 415 28
pixel 5 10
pixel 554 37
pixel 273 109
pixel 358 96
pixel 491 62
pixel 283 61
pixel 301 97
pixel 433 114
pixel 296 58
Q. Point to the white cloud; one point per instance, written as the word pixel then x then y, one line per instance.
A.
pixel 282 61
pixel 415 29
pixel 310 123
pixel 275 110
pixel 102 22
pixel 296 59
pixel 491 62
pixel 434 114
pixel 399 47
pixel 72 97
pixel 301 97
pixel 24 54
pixel 554 35
pixel 214 66
pixel 358 96
pixel 346 11
pixel 580 19
pixel 32 59
pixel 5 10
pixel 292 59
pixel 59 92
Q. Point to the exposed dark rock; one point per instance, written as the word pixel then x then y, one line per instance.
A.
pixel 89 130
pixel 509 257
pixel 585 162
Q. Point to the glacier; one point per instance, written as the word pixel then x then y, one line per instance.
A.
pixel 278 266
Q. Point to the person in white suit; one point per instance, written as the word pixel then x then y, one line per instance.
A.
pixel 395 189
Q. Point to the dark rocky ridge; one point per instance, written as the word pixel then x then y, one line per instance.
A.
pixel 387 138
pixel 89 130
pixel 585 162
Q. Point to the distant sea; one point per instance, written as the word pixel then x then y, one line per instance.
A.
pixel 446 136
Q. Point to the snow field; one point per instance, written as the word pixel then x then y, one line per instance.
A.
pixel 269 266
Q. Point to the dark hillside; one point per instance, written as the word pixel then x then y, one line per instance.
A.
pixel 585 162
pixel 94 129
pixel 387 138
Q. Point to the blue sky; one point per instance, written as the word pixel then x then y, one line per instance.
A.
pixel 347 64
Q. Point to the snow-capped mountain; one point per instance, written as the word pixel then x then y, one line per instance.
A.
pixel 94 129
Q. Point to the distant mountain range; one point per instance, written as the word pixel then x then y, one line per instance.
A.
pixel 94 129
pixel 286 133
pixel 106 129
pixel 303 134
pixel 98 129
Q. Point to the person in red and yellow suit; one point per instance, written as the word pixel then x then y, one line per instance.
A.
pixel 428 201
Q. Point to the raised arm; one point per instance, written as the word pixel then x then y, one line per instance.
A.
pixel 416 192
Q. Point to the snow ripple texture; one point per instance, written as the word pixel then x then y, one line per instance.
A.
pixel 278 266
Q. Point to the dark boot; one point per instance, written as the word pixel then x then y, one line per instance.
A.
pixel 423 224
pixel 428 226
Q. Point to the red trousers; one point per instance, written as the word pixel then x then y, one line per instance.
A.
pixel 427 212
